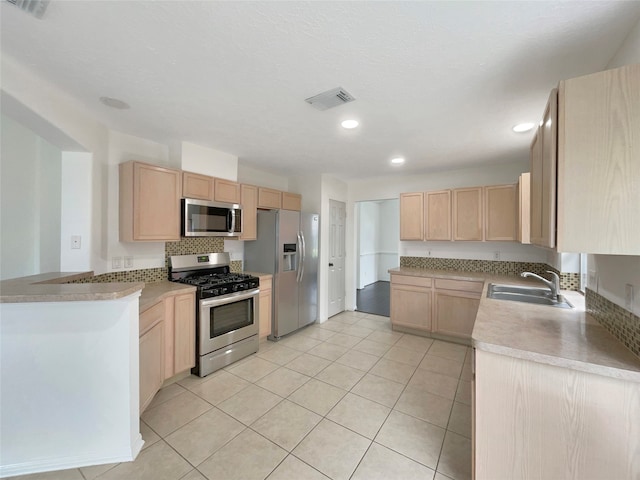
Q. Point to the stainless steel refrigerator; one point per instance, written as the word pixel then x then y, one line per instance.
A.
pixel 287 247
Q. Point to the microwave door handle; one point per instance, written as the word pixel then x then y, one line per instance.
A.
pixel 231 221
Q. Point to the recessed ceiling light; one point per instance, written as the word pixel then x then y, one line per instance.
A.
pixel 350 124
pixel 523 127
pixel 397 161
pixel 115 103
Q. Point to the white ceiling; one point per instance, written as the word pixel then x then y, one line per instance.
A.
pixel 440 83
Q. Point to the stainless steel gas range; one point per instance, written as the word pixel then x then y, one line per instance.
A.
pixel 226 309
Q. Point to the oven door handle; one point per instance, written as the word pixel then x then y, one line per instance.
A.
pixel 229 298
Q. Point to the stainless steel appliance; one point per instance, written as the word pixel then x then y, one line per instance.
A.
pixel 288 247
pixel 226 309
pixel 209 219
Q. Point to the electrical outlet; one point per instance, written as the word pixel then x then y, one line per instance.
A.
pixel 116 262
pixel 128 262
pixel 496 255
pixel 75 242
pixel 628 296
pixel 428 253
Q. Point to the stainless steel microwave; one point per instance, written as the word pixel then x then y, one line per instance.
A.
pixel 208 219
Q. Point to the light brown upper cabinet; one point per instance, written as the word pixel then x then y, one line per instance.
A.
pixel 500 213
pixel 149 203
pixel 467 214
pixel 249 202
pixel 226 191
pixel 543 176
pixel 291 201
pixel 437 209
pixel 599 163
pixel 269 198
pixel 412 216
pixel 524 212
pixel 197 186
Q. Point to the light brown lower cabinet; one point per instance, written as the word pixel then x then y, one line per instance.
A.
pixel 455 312
pixel 151 363
pixel 265 305
pixel 411 302
pixel 534 420
pixel 440 307
pixel 167 342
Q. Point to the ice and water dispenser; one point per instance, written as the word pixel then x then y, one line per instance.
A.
pixel 290 257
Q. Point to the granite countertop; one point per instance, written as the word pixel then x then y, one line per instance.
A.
pixel 155 291
pixel 52 287
pixel 569 338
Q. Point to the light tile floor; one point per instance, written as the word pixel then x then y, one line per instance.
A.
pixel 345 399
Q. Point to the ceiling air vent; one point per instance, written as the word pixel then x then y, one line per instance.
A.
pixel 330 98
pixel 32 7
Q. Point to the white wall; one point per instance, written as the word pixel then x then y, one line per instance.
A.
pixel 76 211
pixel 30 173
pixel 207 161
pixel 49 106
pixel 252 176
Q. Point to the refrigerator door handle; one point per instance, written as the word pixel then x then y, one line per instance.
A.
pixel 299 249
pixel 304 255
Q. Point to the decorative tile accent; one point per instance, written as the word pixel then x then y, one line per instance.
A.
pixel 186 246
pixel 570 281
pixel 621 323
pixel 236 266
pixel 484 266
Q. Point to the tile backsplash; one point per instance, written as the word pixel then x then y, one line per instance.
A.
pixel 621 323
pixel 186 246
pixel 485 266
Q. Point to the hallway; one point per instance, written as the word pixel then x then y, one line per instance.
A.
pixel 374 299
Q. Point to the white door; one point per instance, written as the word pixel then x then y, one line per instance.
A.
pixel 338 213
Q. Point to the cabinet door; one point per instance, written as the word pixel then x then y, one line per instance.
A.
pixel 500 213
pixel 455 313
pixel 291 201
pixel 269 198
pixel 264 311
pixel 149 203
pixel 226 191
pixel 184 332
pixel 599 163
pixel 543 177
pixel 249 202
pixel 151 364
pixel 467 213
pixel 411 307
pixel 437 209
pixel 524 212
pixel 197 186
pixel 411 216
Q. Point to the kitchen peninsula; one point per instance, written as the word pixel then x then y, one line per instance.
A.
pixel 69 372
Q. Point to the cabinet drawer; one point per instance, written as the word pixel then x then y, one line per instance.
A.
pixel 151 316
pixel 464 285
pixel 408 280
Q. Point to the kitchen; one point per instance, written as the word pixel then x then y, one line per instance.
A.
pixel 110 148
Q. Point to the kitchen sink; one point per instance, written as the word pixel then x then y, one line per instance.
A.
pixel 537 296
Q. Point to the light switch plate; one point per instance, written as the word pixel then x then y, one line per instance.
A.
pixel 116 262
pixel 76 241
pixel 128 262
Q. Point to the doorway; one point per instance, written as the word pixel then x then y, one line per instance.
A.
pixel 378 232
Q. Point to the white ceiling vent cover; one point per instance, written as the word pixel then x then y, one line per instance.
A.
pixel 330 98
pixel 32 7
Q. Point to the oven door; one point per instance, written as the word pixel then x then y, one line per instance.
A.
pixel 227 319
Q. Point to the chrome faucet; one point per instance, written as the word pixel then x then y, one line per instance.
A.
pixel 553 284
